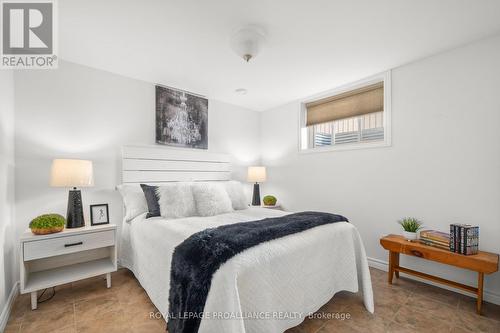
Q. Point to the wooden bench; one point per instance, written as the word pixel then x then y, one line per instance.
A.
pixel 482 263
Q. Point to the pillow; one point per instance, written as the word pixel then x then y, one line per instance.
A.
pixel 151 200
pixel 235 191
pixel 211 199
pixel 176 200
pixel 133 200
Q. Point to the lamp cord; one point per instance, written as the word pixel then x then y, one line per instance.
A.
pixel 47 299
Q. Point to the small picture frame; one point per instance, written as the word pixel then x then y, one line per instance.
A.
pixel 99 214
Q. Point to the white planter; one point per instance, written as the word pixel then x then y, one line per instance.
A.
pixel 410 235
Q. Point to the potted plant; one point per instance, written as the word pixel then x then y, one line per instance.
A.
pixel 410 227
pixel 47 224
pixel 269 200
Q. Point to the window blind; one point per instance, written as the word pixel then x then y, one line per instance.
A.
pixel 353 103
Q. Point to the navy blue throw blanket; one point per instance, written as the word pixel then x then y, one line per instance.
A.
pixel 197 258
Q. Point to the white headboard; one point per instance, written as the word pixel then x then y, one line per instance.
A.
pixel 157 164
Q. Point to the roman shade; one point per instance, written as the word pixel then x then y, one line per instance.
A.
pixel 353 103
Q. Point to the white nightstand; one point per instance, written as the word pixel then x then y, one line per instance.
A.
pixel 67 256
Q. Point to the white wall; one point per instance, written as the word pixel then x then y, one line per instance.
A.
pixel 79 112
pixel 443 165
pixel 7 230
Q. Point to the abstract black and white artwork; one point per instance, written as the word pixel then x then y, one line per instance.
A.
pixel 181 118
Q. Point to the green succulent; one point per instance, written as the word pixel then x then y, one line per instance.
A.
pixel 410 224
pixel 269 200
pixel 47 221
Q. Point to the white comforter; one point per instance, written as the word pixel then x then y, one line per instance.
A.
pixel 273 285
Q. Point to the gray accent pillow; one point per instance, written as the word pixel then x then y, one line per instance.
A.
pixel 151 200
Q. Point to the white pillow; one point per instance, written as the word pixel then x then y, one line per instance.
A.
pixel 211 199
pixel 133 200
pixel 176 200
pixel 235 191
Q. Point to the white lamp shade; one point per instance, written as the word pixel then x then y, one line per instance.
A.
pixel 71 173
pixel 256 174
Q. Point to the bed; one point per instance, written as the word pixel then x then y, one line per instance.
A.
pixel 268 288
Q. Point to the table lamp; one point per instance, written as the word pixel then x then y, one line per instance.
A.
pixel 72 173
pixel 256 174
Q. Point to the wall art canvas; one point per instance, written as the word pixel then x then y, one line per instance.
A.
pixel 181 118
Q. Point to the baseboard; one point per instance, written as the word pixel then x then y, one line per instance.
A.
pixel 4 316
pixel 378 264
pixel 489 296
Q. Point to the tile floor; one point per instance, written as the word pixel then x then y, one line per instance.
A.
pixel 406 306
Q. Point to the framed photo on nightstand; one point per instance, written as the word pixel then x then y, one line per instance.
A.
pixel 99 214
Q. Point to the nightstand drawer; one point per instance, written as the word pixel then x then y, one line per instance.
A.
pixel 68 244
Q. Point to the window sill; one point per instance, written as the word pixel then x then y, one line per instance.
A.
pixel 344 147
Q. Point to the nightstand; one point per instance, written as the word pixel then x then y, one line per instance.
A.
pixel 67 256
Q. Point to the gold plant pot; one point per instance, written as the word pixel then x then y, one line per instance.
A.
pixel 46 231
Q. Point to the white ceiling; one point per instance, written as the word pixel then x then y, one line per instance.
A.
pixel 312 45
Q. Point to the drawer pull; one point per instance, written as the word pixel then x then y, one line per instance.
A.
pixel 73 244
pixel 417 253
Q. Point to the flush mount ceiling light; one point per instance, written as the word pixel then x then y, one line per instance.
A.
pixel 247 42
pixel 241 91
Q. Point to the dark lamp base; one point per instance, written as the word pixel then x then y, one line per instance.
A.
pixel 74 217
pixel 256 195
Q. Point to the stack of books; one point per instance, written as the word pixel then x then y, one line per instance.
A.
pixel 435 238
pixel 464 238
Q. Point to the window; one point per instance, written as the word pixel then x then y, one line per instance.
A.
pixel 356 116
